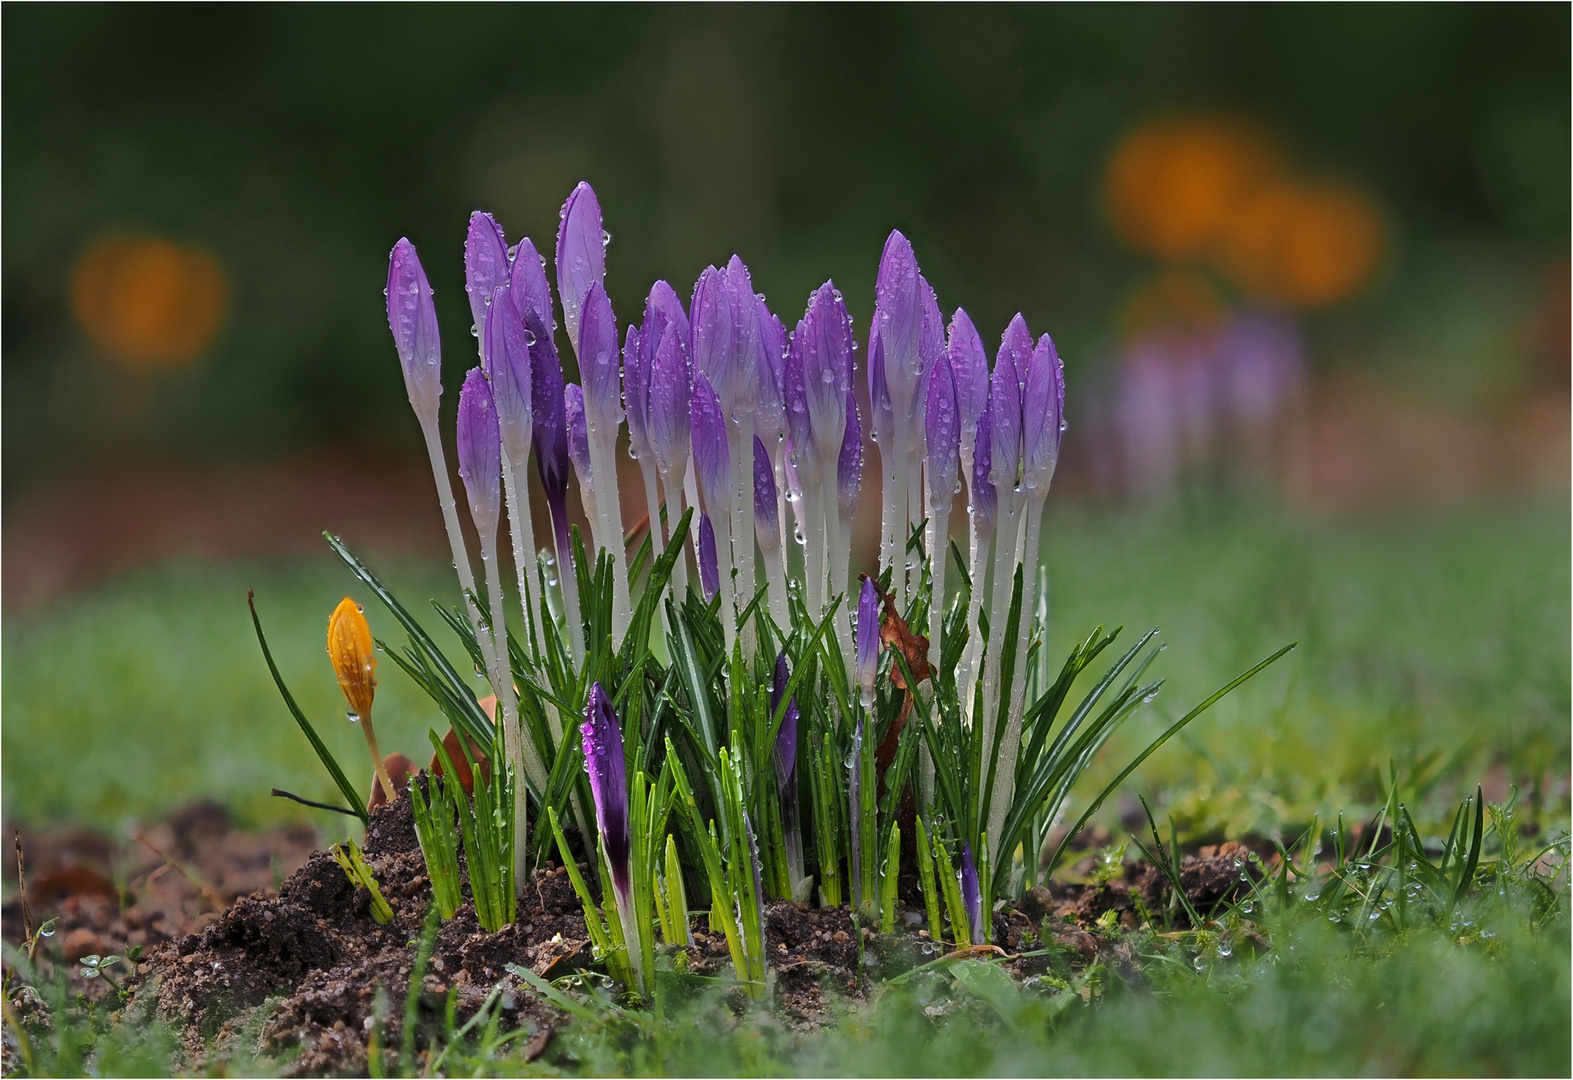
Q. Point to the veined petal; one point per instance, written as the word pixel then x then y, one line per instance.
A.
pixel 770 409
pixel 599 365
pixel 710 312
pixel 528 287
pixel 1005 400
pixel 794 396
pixel 485 268
pixel 480 450
pixel 412 317
pixel 868 638
pixel 849 466
pixel 510 374
pixel 884 420
pixel 546 409
pixel 899 311
pixel 636 392
pixel 603 762
pixel 767 516
pixel 581 256
pixel 969 367
pixel 1043 412
pixel 578 434
pixel 712 457
pixel 942 432
pixel 826 350
pixel 670 396
pixel 982 495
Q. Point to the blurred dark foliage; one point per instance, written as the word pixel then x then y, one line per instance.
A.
pixel 297 143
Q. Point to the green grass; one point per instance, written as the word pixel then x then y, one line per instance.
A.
pixel 1441 642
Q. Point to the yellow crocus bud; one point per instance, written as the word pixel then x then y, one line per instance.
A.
pixel 354 657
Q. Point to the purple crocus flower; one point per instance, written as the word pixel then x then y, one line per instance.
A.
pixel 883 419
pixel 794 394
pixel 546 411
pixel 969 367
pixel 823 342
pixel 603 761
pixel 868 639
pixel 1005 402
pixel 971 895
pixel 709 565
pixel 670 398
pixel 770 409
pixel 528 288
pixel 581 256
pixel 636 392
pixel 509 359
pixel 1042 411
pixel 412 317
pixel 598 361
pixel 480 450
pixel 662 310
pixel 984 498
pixel 931 347
pixel 578 436
pixel 767 517
pixel 710 328
pixel 898 292
pixel 726 336
pixel 849 465
pixel 786 737
pixel 712 458
pixel 485 268
pixel 942 433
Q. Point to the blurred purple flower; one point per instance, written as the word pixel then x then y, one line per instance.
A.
pixel 603 761
pixel 480 451
pixel 412 317
pixel 971 895
pixel 581 257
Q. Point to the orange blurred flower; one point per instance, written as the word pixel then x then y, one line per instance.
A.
pixel 1173 184
pixel 148 303
pixel 1305 246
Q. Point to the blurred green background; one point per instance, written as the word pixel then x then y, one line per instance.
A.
pixel 1409 523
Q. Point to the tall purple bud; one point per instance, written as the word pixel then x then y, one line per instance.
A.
pixel 710 326
pixel 636 393
pixel 670 397
pixel 969 367
pixel 485 268
pixel 767 517
pixel 509 359
pixel 826 352
pixel 480 451
pixel 412 317
pixel 550 421
pixel 663 310
pixel 943 436
pixel 770 409
pixel 1043 415
pixel 786 737
pixel 898 291
pixel 971 895
pixel 849 465
pixel 709 565
pixel 794 394
pixel 581 257
pixel 603 761
pixel 883 420
pixel 528 287
pixel 931 345
pixel 868 640
pixel 712 459
pixel 985 498
pixel 579 441
pixel 598 362
pixel 1005 400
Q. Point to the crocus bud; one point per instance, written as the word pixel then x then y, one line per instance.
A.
pixel 800 428
pixel 849 465
pixel 578 435
pixel 528 288
pixel 480 451
pixel 670 396
pixel 581 256
pixel 899 312
pixel 770 409
pixel 412 317
pixel 883 419
pixel 931 346
pixel 354 657
pixel 971 895
pixel 603 761
pixel 709 564
pixel 767 516
pixel 942 433
pixel 546 409
pixel 636 392
pixel 485 268
pixel 969 367
pixel 983 497
pixel 509 357
pixel 712 458
pixel 786 737
pixel 1005 401
pixel 868 640
pixel 824 341
pixel 598 361
pixel 1042 412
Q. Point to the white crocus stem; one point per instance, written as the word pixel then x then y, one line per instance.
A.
pixel 521 752
pixel 814 554
pixel 775 572
pixel 658 530
pixel 893 458
pixel 1010 744
pixel 672 487
pixel 938 542
pixel 836 570
pixel 603 463
pixel 722 522
pixel 569 583
pixel 691 498
pixel 521 530
pixel 915 513
pixel 977 567
pixel 740 439
pixel 783 507
pixel 999 610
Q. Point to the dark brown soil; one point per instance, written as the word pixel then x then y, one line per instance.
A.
pixel 295 968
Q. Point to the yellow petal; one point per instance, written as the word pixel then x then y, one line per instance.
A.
pixel 354 656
